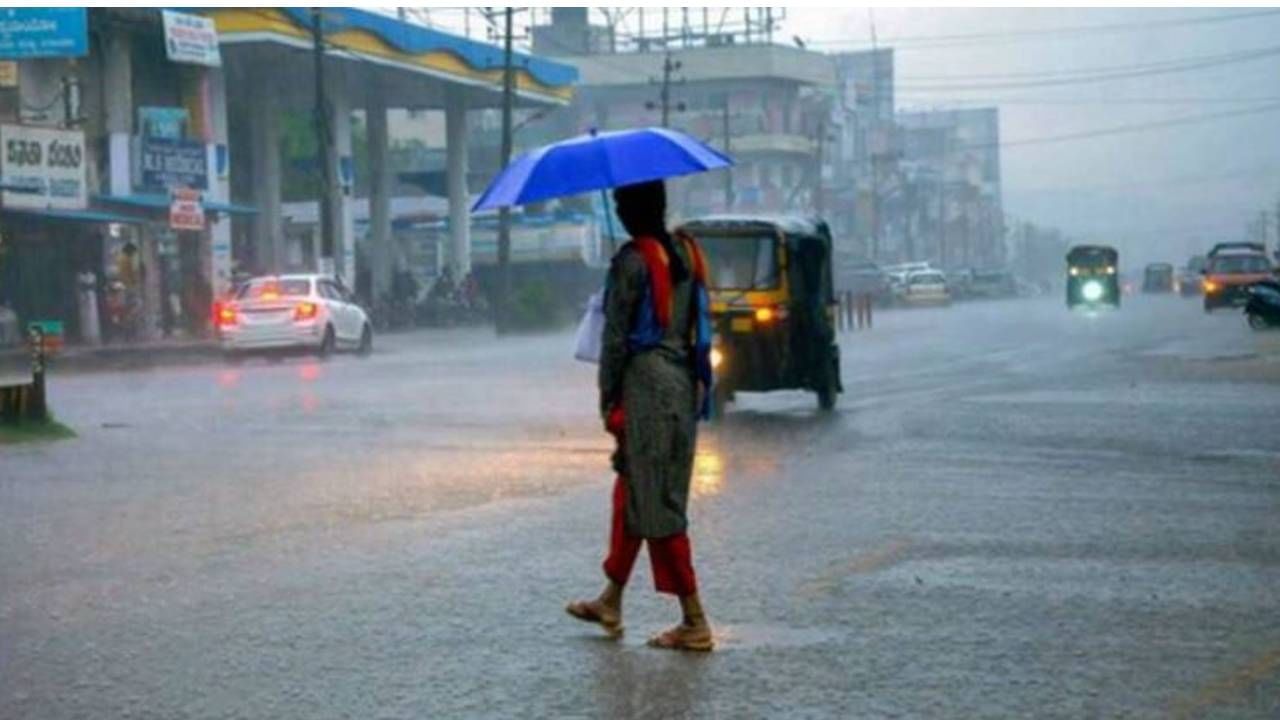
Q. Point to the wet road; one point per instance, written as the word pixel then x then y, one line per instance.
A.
pixel 1015 512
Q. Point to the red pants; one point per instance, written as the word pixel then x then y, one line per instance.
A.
pixel 672 557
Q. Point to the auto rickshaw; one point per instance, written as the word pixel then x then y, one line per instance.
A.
pixel 1093 276
pixel 772 306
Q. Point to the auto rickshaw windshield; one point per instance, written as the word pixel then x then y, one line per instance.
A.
pixel 741 262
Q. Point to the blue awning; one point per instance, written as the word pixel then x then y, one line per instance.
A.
pixel 157 201
pixel 91 216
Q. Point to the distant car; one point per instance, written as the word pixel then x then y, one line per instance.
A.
pixel 303 312
pixel 865 277
pixel 1190 277
pixel 1157 278
pixel 1230 271
pixel 926 287
pixel 994 284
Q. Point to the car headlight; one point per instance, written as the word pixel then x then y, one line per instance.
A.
pixel 1092 291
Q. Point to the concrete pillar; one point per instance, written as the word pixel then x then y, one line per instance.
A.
pixel 343 164
pixel 219 161
pixel 264 142
pixel 455 124
pixel 379 240
pixel 118 109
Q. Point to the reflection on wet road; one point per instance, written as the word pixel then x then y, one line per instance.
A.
pixel 1015 512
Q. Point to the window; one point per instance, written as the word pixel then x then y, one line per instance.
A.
pixel 1240 264
pixel 271 288
pixel 738 262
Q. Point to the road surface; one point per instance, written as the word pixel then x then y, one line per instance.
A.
pixel 1015 512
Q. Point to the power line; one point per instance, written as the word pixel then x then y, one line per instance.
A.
pixel 968 39
pixel 1138 127
pixel 930 100
pixel 1170 69
pixel 1235 56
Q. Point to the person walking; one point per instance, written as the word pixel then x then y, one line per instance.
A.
pixel 654 383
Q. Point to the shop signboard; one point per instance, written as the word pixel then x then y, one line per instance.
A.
pixel 49 32
pixel 8 74
pixel 167 163
pixel 185 210
pixel 43 168
pixel 163 122
pixel 191 39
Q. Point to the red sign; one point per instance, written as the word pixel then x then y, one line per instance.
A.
pixel 186 212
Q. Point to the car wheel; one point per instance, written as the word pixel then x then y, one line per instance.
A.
pixel 366 342
pixel 327 344
pixel 1257 322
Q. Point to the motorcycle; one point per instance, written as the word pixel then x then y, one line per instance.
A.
pixel 1262 308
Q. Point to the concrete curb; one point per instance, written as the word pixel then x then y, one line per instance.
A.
pixel 132 357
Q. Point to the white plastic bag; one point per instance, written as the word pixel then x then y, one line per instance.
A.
pixel 590 334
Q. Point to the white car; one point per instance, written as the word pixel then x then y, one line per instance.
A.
pixel 281 312
pixel 926 287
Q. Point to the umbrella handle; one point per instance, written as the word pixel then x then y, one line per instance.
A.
pixel 608 221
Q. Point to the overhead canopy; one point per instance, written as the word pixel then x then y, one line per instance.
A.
pixel 362 36
pixel 152 201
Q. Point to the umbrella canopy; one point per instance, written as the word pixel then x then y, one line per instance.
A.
pixel 598 161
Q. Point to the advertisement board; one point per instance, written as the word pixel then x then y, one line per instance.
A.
pixel 185 210
pixel 191 39
pixel 166 163
pixel 47 165
pixel 29 33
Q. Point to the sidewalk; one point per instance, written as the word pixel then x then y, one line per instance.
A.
pixel 132 356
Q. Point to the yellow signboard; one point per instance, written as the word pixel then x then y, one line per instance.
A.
pixel 8 74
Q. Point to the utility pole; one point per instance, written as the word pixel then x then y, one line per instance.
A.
pixel 817 176
pixel 728 172
pixel 324 143
pixel 669 68
pixel 504 214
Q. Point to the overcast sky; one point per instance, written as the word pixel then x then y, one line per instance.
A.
pixel 1159 192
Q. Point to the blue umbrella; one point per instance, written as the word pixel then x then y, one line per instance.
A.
pixel 598 161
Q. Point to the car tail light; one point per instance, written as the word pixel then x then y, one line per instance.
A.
pixel 305 311
pixel 224 315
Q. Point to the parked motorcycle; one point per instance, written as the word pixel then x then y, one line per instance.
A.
pixel 1262 308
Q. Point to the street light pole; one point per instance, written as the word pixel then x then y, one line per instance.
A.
pixel 504 213
pixel 324 142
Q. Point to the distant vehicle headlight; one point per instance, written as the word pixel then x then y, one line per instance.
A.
pixel 1111 269
pixel 1092 291
pixel 1074 271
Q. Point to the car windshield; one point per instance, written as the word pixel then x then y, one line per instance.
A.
pixel 272 288
pixel 741 262
pixel 927 279
pixel 1240 264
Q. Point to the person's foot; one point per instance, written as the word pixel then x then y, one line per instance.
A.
pixel 600 613
pixel 685 636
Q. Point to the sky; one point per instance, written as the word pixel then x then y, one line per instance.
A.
pixel 1162 192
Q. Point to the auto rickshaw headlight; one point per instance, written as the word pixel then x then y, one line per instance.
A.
pixel 1092 291
pixel 1074 271
pixel 764 314
pixel 1111 269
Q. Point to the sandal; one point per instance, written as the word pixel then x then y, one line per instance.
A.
pixel 592 611
pixel 684 637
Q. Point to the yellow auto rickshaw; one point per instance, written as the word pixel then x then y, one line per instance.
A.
pixel 772 306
